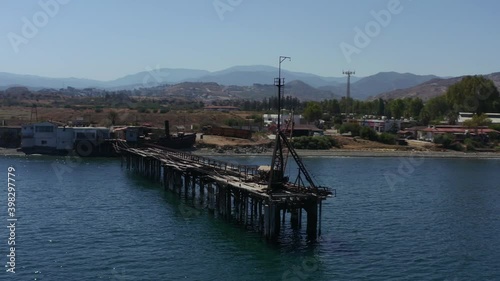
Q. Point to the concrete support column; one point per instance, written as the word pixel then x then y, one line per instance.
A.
pixel 294 218
pixel 312 221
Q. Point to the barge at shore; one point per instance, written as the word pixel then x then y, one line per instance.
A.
pixel 52 139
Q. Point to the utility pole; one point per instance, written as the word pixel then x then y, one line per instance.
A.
pixel 280 83
pixel 277 163
pixel 34 113
pixel 348 94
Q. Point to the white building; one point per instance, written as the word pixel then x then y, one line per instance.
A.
pixel 464 116
pixel 273 118
pixel 381 126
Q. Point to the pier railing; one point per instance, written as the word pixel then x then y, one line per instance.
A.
pixel 244 170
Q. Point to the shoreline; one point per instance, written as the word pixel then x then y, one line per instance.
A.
pixel 328 153
pixel 362 153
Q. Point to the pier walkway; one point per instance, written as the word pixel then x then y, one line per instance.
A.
pixel 236 193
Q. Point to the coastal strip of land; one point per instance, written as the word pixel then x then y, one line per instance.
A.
pixel 329 153
pixel 362 153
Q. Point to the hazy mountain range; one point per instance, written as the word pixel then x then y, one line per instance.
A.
pixel 238 75
pixel 305 86
pixel 432 88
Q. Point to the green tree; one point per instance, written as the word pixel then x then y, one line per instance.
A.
pixel 334 107
pixel 113 116
pixel 495 127
pixel 387 138
pixel 354 128
pixel 368 133
pixel 424 117
pixel 436 108
pixel 312 112
pixel 317 142
pixel 445 140
pixel 345 103
pixel 477 121
pixel 397 108
pixel 452 117
pixel 258 119
pixel 381 107
pixel 473 94
pixel 414 107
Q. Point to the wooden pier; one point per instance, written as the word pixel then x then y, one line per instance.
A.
pixel 236 193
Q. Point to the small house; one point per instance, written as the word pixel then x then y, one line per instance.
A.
pixel 382 125
pixel 460 132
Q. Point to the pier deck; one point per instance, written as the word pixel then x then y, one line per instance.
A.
pixel 233 192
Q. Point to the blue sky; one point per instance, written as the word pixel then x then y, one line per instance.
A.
pixel 107 39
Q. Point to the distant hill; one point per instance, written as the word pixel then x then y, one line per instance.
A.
pixel 213 91
pixel 495 77
pixel 255 82
pixel 432 88
pixel 386 81
pixel 155 77
pixel 261 74
pixel 304 91
pixel 32 81
pixel 238 75
pixel 382 82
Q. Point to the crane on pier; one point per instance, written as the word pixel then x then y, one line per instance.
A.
pixel 282 147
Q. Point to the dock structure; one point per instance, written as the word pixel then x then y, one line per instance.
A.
pixel 236 193
pixel 256 198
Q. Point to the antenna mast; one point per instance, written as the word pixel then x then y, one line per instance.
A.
pixel 277 164
pixel 348 94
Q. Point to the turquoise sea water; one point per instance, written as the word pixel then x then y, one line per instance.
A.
pixel 393 219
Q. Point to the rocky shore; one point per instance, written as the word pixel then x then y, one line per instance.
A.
pixel 265 151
